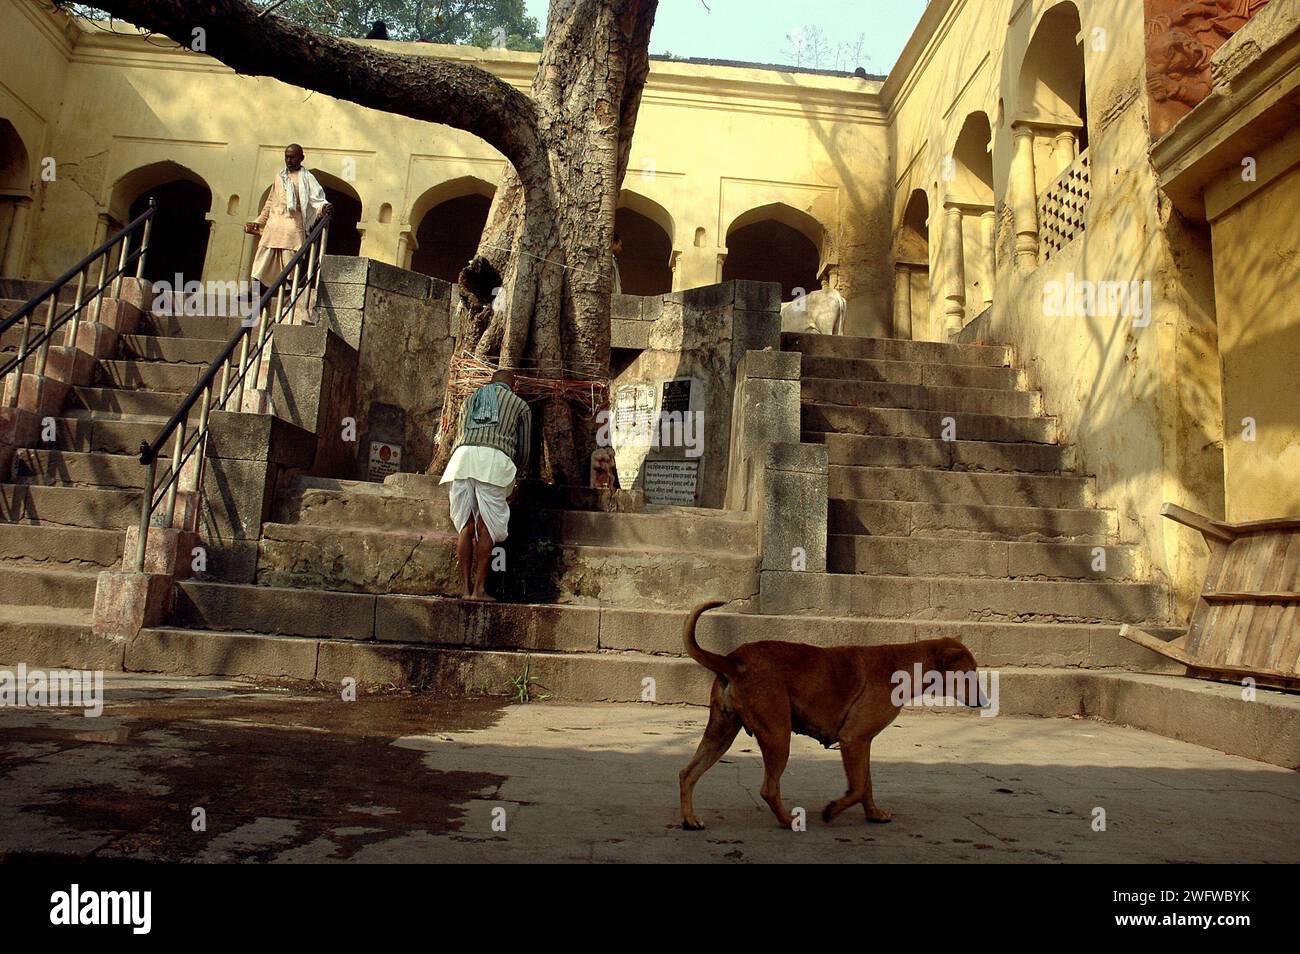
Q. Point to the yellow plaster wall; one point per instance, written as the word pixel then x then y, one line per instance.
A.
pixel 1256 263
pixel 711 143
pixel 1139 403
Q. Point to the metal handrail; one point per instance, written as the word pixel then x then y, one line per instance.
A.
pixel 143 221
pixel 313 250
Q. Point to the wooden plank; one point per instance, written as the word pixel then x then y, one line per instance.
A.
pixel 1286 643
pixel 1280 524
pixel 1249 596
pixel 1260 640
pixel 1203 613
pixel 1206 526
pixel 1288 682
pixel 1218 641
pixel 1171 649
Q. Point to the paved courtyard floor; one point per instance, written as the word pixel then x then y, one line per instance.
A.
pixel 287 774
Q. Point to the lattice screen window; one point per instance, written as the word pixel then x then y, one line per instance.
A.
pixel 1062 207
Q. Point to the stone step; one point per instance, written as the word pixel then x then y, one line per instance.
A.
pixel 898 518
pixel 75 548
pixel 945 556
pixel 108 434
pixel 39 586
pixel 915 373
pixel 1191 710
pixel 896 349
pixel 904 422
pixel 125 402
pixel 357 507
pixel 200 351
pixel 946 455
pixel 959 487
pixel 55 637
pixel 378 561
pixel 394 621
pixel 131 374
pixel 190 326
pixel 74 469
pixel 922 397
pixel 69 506
pixel 964 598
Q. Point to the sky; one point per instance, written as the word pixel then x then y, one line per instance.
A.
pixel 765 31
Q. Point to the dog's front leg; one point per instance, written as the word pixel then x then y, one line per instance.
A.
pixel 857 769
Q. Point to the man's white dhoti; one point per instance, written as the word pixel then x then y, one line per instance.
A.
pixel 471 499
pixel 480 479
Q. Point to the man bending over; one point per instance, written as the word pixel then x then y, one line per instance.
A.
pixel 492 443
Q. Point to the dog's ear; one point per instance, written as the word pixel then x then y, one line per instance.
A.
pixel 955 657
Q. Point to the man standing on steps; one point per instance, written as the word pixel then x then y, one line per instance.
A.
pixel 292 206
pixel 493 439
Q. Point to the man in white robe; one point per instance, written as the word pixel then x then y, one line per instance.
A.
pixel 292 206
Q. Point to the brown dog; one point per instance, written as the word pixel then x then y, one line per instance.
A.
pixel 843 694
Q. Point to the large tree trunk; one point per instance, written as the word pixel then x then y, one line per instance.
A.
pixel 551 221
pixel 549 229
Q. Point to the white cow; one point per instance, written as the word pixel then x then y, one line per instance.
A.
pixel 820 313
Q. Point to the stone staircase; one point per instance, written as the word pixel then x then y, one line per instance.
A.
pixel 953 510
pixel 990 536
pixel 66 504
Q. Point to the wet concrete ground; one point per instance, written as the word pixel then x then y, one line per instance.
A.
pixel 288 774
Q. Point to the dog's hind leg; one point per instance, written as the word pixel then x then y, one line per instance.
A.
pixel 857 769
pixel 718 736
pixel 773 736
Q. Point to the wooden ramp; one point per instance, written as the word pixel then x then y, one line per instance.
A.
pixel 1247 620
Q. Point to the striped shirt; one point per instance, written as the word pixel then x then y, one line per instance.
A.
pixel 511 434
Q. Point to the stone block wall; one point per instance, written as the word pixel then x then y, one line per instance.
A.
pixel 700 334
pixel 399 322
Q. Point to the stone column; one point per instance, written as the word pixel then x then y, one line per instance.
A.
pixel 17 240
pixel 902 302
pixel 406 246
pixel 954 303
pixel 1023 193
pixel 1065 147
pixel 989 234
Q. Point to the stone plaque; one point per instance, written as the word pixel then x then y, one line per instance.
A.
pixel 672 481
pixel 385 459
pixel 677 396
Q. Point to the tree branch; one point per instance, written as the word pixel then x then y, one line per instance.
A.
pixel 421 87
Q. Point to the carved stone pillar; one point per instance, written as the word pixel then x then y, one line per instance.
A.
pixel 902 302
pixel 988 253
pixel 954 303
pixel 1023 193
pixel 16 243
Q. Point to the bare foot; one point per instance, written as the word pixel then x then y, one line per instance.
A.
pixel 483 598
pixel 692 824
pixel 878 815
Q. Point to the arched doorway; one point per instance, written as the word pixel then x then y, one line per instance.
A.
pixel 446 225
pixel 970 195
pixel 645 266
pixel 1053 91
pixel 912 269
pixel 448 236
pixel 344 237
pixel 15 198
pixel 775 243
pixel 178 241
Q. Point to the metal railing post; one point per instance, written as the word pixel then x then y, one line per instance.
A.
pixel 144 242
pixel 174 478
pixel 44 354
pixel 146 508
pixel 75 323
pixel 99 284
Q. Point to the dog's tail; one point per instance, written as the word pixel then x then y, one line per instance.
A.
pixel 711 661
